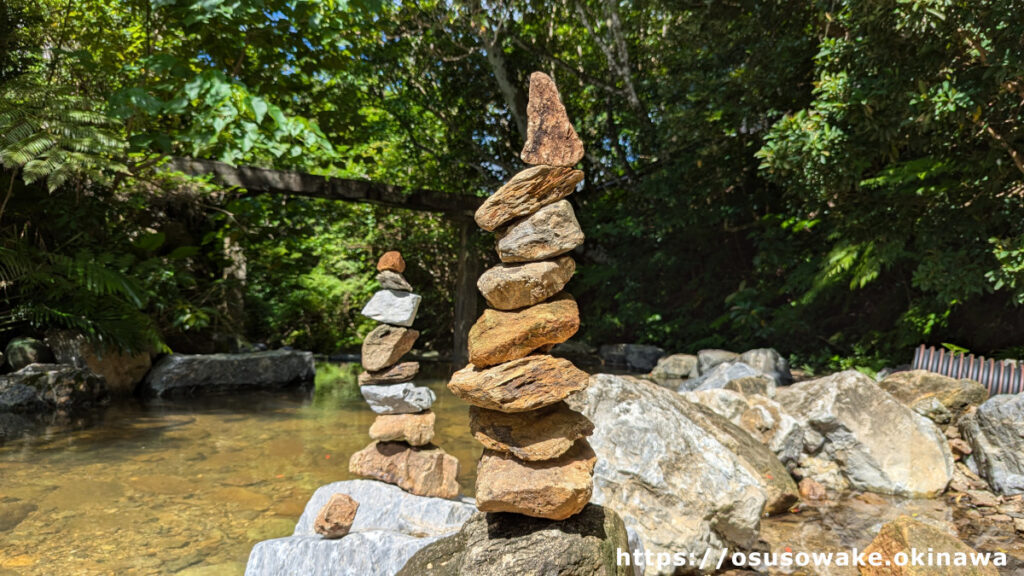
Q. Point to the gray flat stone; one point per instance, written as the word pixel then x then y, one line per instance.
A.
pixel 406 398
pixel 393 307
pixel 186 374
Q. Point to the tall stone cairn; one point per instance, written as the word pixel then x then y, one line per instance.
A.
pixel 536 460
pixel 401 453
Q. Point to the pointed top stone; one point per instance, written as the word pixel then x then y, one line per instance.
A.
pixel 550 137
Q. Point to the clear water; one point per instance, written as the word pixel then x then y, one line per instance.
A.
pixel 187 487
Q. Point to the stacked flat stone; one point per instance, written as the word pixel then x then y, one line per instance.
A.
pixel 401 453
pixel 536 459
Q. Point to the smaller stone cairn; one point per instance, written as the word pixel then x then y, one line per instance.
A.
pixel 536 460
pixel 401 453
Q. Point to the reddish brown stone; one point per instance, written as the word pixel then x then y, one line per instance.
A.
pixel 502 336
pixel 519 385
pixel 811 490
pixel 534 436
pixel 336 517
pixel 554 489
pixel 550 137
pixel 527 192
pixel 905 535
pixel 427 471
pixel 397 374
pixel 391 261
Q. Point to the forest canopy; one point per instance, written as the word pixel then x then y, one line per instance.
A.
pixel 840 180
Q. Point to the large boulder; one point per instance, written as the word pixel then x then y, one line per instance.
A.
pixel 939 398
pixel 908 537
pixel 995 432
pixel 42 388
pixel 187 374
pixel 634 357
pixel 768 361
pixel 683 477
pixel 390 526
pixel 764 418
pixel 736 376
pixel 122 371
pixel 21 352
pixel 587 544
pixel 877 443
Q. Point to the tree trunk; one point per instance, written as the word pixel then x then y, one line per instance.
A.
pixel 465 293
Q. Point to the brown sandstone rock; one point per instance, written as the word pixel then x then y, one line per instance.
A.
pixel 512 286
pixel 427 471
pixel 385 345
pixel 811 490
pixel 527 192
pixel 416 429
pixel 391 261
pixel 534 436
pixel 520 385
pixel 397 374
pixel 905 534
pixel 336 517
pixel 550 137
pixel 554 489
pixel 921 390
pixel 549 232
pixel 499 336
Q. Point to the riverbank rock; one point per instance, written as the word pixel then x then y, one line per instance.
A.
pixel 512 286
pixel 635 357
pixel 683 477
pixel 499 336
pixel 906 535
pixel 550 137
pixel 554 489
pixel 675 368
pixel 190 374
pixel 765 419
pixel 424 471
pixel 527 192
pixel 336 517
pixel 416 429
pixel 736 376
pixel 21 352
pixel 406 398
pixel 390 527
pixel 384 345
pixel 879 444
pixel 393 307
pixel 505 544
pixel 391 261
pixel 397 374
pixel 708 359
pixel 534 436
pixel 520 385
pixel 768 361
pixel 995 432
pixel 391 280
pixel 939 398
pixel 121 371
pixel 551 231
pixel 41 388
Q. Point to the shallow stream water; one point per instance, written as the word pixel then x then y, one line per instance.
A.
pixel 185 487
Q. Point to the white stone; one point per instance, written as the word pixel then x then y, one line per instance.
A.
pixel 406 398
pixel 393 307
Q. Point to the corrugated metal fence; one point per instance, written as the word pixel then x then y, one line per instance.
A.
pixel 999 377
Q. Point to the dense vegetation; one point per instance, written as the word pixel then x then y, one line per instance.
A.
pixel 841 180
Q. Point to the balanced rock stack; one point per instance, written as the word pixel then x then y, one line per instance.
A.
pixel 536 461
pixel 401 453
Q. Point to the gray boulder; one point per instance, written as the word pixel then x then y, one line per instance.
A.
pixel 939 398
pixel 878 444
pixel 708 359
pixel 406 398
pixel 736 376
pixel 393 307
pixel 188 374
pixel 768 361
pixel 390 526
pixel 682 476
pixel 634 357
pixel 995 432
pixel 41 388
pixel 21 352
pixel 675 367
pixel 502 544
pixel 765 419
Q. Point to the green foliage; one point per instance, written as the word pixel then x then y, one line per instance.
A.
pixel 336 384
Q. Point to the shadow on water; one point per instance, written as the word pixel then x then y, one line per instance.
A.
pixel 187 486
